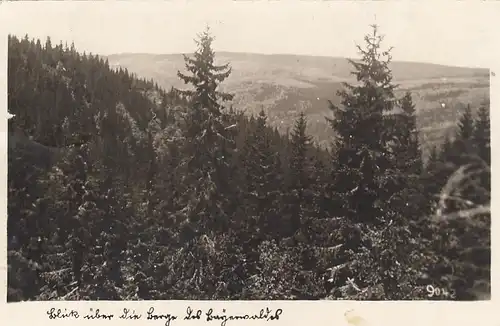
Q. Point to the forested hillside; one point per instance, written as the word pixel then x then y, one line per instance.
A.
pixel 288 84
pixel 121 190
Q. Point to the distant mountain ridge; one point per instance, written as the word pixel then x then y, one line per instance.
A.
pixel 284 84
pixel 402 70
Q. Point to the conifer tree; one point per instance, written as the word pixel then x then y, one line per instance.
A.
pixel 361 136
pixel 446 149
pixel 206 152
pixel 205 76
pixel 481 135
pixel 467 152
pixel 81 205
pixel 463 145
pixel 405 152
pixel 206 136
pixel 466 124
pixel 445 164
pixel 260 170
pixel 430 172
pixel 299 172
pixel 411 156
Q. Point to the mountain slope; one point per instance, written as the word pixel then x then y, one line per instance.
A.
pixel 286 84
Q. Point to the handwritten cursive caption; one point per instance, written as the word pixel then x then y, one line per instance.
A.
pixel 210 315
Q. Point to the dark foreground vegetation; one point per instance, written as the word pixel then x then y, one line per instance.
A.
pixel 120 190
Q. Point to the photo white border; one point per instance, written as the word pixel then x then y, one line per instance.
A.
pixel 294 312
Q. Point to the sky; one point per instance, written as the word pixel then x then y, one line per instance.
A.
pixel 443 32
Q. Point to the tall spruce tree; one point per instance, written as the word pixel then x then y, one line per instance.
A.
pixel 410 156
pixel 482 139
pixel 206 152
pixel 205 76
pixel 429 175
pixel 405 151
pixel 482 134
pixel 361 136
pixel 469 148
pixel 466 124
pixel 463 144
pixel 299 171
pixel 261 166
pixel 205 136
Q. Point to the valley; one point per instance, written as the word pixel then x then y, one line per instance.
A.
pixel 284 85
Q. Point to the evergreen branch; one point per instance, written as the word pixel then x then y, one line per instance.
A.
pixel 464 214
pixel 63 298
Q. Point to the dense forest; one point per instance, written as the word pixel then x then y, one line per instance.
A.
pixel 121 190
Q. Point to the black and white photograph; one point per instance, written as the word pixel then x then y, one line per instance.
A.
pixel 157 151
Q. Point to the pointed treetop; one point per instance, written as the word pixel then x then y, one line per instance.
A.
pixel 407 104
pixel 299 129
pixel 365 103
pixel 262 117
pixel 374 65
pixel 466 124
pixel 205 76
